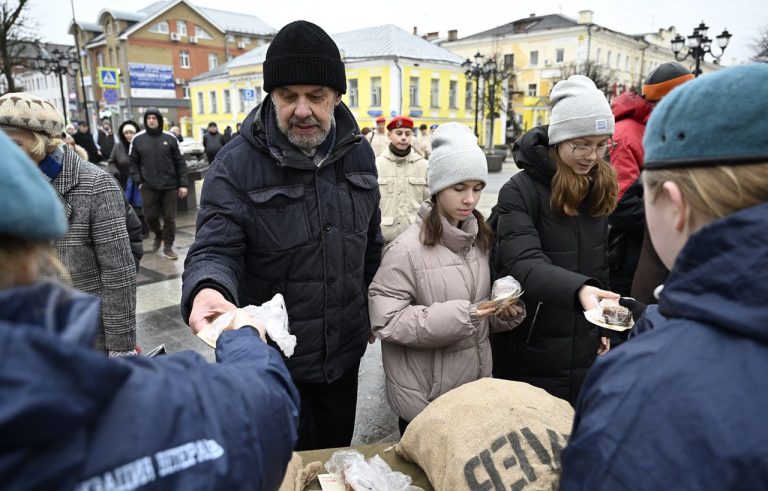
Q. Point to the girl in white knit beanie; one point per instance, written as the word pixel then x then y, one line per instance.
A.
pixel 423 301
pixel 551 225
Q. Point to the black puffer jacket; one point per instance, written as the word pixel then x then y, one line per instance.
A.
pixel 552 256
pixel 156 159
pixel 270 222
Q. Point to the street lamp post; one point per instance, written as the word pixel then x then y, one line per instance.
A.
pixel 475 71
pixel 61 63
pixel 699 45
pixel 489 72
pixel 493 76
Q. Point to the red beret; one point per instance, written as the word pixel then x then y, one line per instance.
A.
pixel 400 122
pixel 381 119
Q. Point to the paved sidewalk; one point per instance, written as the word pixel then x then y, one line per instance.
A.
pixel 159 320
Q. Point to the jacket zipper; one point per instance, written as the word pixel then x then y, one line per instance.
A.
pixel 533 323
pixel 472 293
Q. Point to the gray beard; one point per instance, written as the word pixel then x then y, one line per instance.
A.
pixel 306 143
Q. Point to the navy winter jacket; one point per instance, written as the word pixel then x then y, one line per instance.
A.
pixel 682 405
pixel 72 418
pixel 271 221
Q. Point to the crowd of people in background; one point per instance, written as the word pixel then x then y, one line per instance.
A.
pixel 374 234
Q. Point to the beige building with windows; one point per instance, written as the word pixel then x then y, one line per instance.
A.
pixel 156 51
pixel 541 50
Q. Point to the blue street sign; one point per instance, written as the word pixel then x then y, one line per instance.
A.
pixel 108 78
pixel 110 95
pixel 249 94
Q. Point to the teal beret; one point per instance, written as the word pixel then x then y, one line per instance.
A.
pixel 30 206
pixel 720 118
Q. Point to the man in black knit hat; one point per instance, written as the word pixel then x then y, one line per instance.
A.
pixel 293 208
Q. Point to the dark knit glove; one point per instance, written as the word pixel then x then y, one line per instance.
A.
pixel 637 308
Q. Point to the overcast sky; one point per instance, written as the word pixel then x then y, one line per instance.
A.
pixel 743 18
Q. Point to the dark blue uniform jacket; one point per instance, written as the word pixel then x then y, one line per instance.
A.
pixel 682 405
pixel 71 418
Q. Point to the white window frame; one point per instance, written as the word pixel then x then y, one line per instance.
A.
pixel 453 94
pixel 227 99
pixel 184 59
pixel 413 92
pixel 200 102
pixel 434 93
pixel 181 28
pixel 376 92
pixel 213 61
pixel 213 102
pixel 352 93
pixel 533 58
pixel 160 28
pixel 201 33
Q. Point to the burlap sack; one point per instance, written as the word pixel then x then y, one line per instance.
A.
pixel 297 476
pixel 490 435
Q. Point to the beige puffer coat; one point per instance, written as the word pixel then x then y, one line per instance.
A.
pixel 423 307
pixel 403 187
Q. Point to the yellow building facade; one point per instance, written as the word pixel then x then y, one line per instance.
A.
pixel 389 72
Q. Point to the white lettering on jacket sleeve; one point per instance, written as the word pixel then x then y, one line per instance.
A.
pixel 139 472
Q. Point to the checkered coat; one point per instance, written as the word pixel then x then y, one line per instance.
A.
pixel 96 250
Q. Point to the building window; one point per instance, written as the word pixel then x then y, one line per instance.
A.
pixel 100 59
pixel 352 93
pixel 160 27
pixel 246 40
pixel 618 60
pixel 186 91
pixel 434 93
pixel 184 59
pixel 109 28
pixel 597 56
pixel 201 33
pixel 413 92
pixel 608 59
pixel 213 61
pixel 509 62
pixel 181 27
pixel 534 58
pixel 231 38
pixel 559 55
pixel 469 96
pixel 375 91
pixel 213 102
pixel 453 88
pixel 200 107
pixel 626 63
pixel 227 101
pixel 532 90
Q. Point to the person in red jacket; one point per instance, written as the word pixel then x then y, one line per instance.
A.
pixel 626 245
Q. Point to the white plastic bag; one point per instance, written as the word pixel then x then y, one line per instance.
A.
pixel 504 293
pixel 362 475
pixel 274 316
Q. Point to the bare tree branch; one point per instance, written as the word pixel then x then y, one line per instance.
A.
pixel 761 46
pixel 18 39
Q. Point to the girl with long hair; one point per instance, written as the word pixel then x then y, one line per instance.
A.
pixel 424 299
pixel 551 224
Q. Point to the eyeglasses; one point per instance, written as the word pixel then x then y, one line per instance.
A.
pixel 584 151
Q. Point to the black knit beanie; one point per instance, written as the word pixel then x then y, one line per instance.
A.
pixel 303 54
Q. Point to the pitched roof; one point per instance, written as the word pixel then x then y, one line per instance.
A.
pixel 527 25
pixel 390 41
pixel 372 42
pixel 222 20
pixel 85 26
pixel 121 15
pixel 255 56
pixel 236 22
